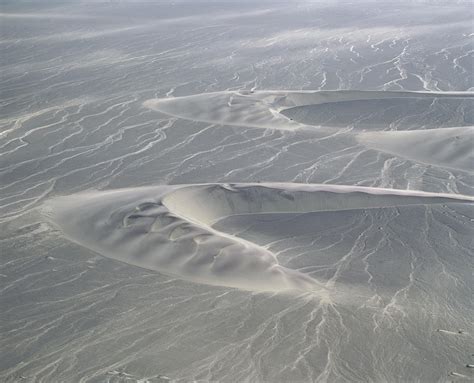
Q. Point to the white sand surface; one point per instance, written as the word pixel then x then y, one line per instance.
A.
pixel 442 146
pixel 451 148
pixel 261 109
pixel 169 228
pixel 236 191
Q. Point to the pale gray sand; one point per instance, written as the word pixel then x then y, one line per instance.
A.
pixel 386 115
pixel 405 113
pixel 169 228
pixel 82 91
pixel 286 110
pixel 451 148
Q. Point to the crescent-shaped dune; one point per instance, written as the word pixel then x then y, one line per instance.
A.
pixel 268 109
pixel 170 228
pixel 392 122
pixel 236 191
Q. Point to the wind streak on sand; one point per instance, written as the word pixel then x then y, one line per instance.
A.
pixel 169 228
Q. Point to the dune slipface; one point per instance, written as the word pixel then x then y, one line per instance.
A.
pixel 137 227
pixel 143 238
pixel 169 228
pixel 395 122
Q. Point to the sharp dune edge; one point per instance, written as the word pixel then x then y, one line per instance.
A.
pixel 169 228
pixel 449 147
pixel 172 212
pixel 262 109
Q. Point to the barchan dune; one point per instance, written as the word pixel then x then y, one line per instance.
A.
pixel 389 121
pixel 269 109
pixel 143 237
pixel 170 228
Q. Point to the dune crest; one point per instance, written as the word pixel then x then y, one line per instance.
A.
pixel 169 228
pixel 393 122
pixel 263 109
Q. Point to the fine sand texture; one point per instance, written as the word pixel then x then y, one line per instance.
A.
pixel 287 110
pixel 411 125
pixel 236 191
pixel 169 229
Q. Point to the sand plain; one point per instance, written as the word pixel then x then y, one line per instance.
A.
pixel 324 149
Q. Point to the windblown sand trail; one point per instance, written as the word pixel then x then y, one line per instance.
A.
pixel 236 191
pixel 345 247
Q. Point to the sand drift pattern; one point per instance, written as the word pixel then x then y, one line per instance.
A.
pixel 107 104
pixel 346 284
pixel 361 110
pixel 169 228
pixel 336 249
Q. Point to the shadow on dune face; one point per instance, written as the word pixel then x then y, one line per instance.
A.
pixel 393 113
pixel 303 110
pixel 396 123
pixel 170 228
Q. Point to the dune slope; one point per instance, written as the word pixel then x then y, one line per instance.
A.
pixel 169 228
pixel 392 122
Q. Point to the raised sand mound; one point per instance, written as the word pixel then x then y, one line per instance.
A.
pixel 169 228
pixel 267 109
pixel 378 120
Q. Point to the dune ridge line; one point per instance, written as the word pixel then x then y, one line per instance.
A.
pixel 262 109
pixel 169 229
